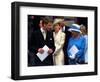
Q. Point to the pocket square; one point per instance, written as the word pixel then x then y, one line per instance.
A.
pixel 50 38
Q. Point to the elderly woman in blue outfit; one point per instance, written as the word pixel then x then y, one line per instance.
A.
pixel 76 46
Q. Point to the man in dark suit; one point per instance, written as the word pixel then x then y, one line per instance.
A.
pixel 39 39
pixel 68 35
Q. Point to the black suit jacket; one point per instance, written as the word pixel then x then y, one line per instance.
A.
pixel 37 41
pixel 68 35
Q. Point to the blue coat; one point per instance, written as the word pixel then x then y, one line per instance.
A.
pixel 80 44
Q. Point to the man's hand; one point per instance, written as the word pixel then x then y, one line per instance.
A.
pixel 40 50
pixel 50 51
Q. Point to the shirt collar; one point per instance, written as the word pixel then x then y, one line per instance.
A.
pixel 42 30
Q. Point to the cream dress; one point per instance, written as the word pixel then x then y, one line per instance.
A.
pixel 58 55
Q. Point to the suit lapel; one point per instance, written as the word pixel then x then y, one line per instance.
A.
pixel 48 35
pixel 41 35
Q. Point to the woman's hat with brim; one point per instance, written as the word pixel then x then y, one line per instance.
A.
pixel 74 27
pixel 56 21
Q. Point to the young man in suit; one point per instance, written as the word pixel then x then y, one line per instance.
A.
pixel 39 39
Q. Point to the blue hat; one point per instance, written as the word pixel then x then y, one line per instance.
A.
pixel 74 27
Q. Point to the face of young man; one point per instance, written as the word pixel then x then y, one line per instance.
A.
pixel 62 23
pixel 40 24
pixel 48 26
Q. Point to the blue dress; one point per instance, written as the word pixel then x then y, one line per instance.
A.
pixel 79 42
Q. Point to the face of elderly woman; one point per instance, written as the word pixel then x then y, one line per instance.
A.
pixel 75 34
pixel 56 27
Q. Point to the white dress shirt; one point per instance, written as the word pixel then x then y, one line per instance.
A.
pixel 63 29
pixel 44 33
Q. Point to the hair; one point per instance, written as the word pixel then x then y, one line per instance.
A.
pixel 46 20
pixel 58 24
pixel 60 17
pixel 82 27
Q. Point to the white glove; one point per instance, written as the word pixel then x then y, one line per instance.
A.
pixel 72 56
